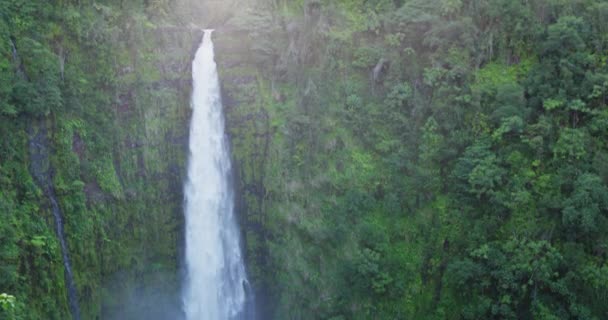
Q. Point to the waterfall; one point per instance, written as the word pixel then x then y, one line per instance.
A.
pixel 215 285
pixel 69 276
pixel 41 172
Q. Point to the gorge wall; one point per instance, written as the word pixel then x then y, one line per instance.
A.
pixel 394 159
pixel 109 90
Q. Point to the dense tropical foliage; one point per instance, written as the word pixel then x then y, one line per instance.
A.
pixel 81 96
pixel 396 159
pixel 427 159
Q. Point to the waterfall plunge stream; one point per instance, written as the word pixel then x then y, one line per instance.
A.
pixel 215 284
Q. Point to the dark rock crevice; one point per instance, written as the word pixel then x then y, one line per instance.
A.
pixel 40 170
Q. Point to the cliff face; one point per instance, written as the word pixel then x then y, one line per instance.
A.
pixel 144 219
pixel 392 153
pixel 395 159
pixel 132 199
pixel 105 92
pixel 286 144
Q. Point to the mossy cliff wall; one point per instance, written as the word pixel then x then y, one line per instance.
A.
pixel 123 212
pixel 424 159
pixel 108 88
pixel 420 158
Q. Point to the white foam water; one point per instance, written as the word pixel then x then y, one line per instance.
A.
pixel 215 283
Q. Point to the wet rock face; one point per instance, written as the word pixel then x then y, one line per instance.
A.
pixel 313 10
pixel 41 170
pixel 380 70
pixel 39 155
pixel 150 158
pixel 248 125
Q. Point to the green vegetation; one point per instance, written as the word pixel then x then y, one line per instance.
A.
pixel 395 159
pixel 422 159
pixel 95 79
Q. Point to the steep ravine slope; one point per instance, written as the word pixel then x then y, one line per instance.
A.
pixel 420 159
pixel 425 159
pixel 149 158
pixel 108 89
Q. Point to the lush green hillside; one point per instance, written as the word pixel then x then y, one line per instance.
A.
pixel 422 159
pixel 406 159
pixel 104 88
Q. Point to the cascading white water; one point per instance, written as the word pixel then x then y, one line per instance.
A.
pixel 215 281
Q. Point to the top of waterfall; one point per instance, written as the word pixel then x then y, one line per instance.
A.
pixel 208 30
